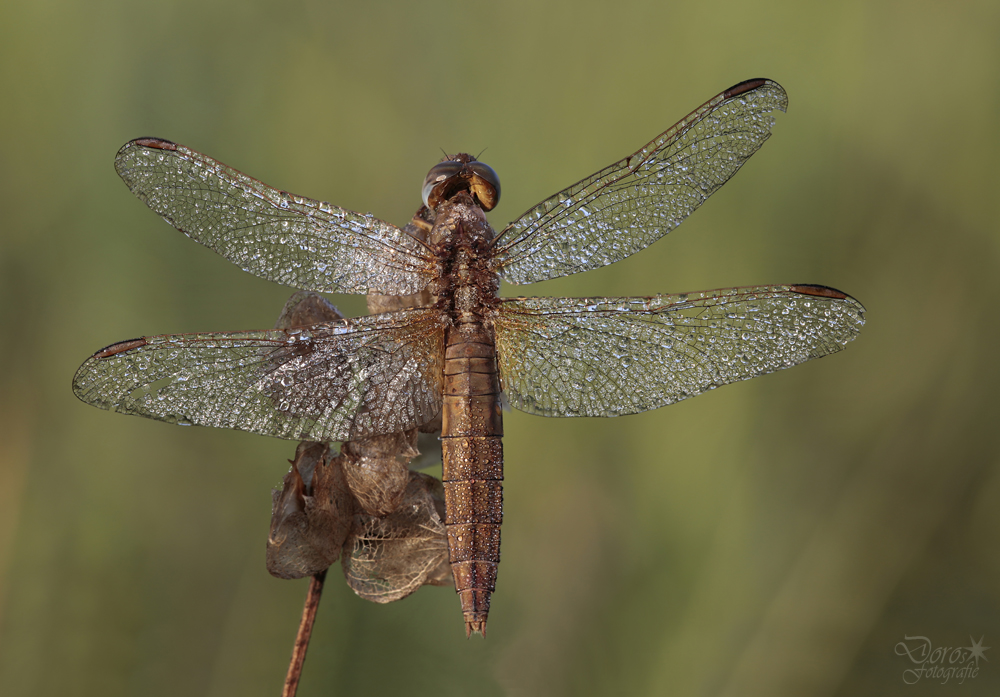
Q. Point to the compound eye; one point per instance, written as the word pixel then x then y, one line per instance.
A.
pixel 485 185
pixel 439 175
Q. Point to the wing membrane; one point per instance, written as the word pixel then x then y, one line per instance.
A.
pixel 634 202
pixel 615 356
pixel 285 238
pixel 329 382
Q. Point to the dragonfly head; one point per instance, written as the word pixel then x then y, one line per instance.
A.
pixel 461 173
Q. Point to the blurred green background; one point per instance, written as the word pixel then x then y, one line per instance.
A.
pixel 776 537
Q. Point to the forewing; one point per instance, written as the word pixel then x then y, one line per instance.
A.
pixel 614 356
pixel 329 382
pixel 634 202
pixel 284 238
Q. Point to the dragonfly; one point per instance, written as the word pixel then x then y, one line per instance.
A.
pixel 444 359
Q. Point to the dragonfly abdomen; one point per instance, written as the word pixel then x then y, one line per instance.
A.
pixel 472 450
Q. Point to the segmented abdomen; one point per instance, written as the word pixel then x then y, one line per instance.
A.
pixel 471 434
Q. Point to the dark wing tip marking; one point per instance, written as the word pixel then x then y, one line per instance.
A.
pixel 120 347
pixel 745 86
pixel 822 292
pixel 157 143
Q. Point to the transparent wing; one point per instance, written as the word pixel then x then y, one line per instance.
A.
pixel 614 356
pixel 284 238
pixel 626 207
pixel 329 382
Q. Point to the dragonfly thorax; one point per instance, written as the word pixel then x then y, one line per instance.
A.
pixel 460 237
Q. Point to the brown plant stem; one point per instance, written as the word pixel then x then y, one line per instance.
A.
pixel 305 632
